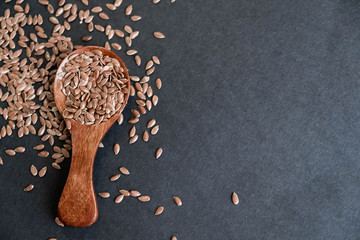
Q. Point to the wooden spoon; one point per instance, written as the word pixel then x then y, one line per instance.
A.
pixel 77 206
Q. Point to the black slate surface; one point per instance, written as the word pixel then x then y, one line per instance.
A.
pixel 259 97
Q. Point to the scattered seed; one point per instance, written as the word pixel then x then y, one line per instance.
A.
pixel 10 152
pixel 135 193
pixel 20 149
pixel 133 139
pixel 146 136
pixel 158 83
pixel 43 154
pixel 159 211
pixel 124 171
pixel 42 172
pixel 235 198
pixel 151 123
pixel 156 60
pixel 104 194
pixel 158 153
pixel 115 177
pixel 86 38
pixel 96 9
pixel 154 130
pixel 177 200
pixel 135 18
pixel 144 198
pixel 159 35
pixel 56 165
pixel 126 193
pixel 85 2
pixel 103 16
pixel 132 131
pixel 58 222
pixel 119 199
pixel 33 170
pixel 155 1
pixel 173 238
pixel 1 161
pixel 110 6
pixel 128 10
pixel 137 60
pixel 29 188
pixel 101 145
pixel 116 149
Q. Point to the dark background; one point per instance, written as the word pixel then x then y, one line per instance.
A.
pixel 258 97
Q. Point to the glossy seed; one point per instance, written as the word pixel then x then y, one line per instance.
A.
pixel 29 188
pixel 159 211
pixel 119 198
pixel 42 172
pixel 58 222
pixel 177 200
pixel 124 171
pixel 128 10
pixel 133 139
pixel 135 193
pixel 10 152
pixel 158 83
pixel 104 194
pixel 116 149
pixel 20 149
pixel 235 198
pixel 132 131
pixel 159 35
pixel 33 170
pixel 146 136
pixel 115 177
pixel 158 152
pixel 144 198
pixel 43 154
pixel 151 123
pixel 155 130
pixel 126 193
pixel 86 38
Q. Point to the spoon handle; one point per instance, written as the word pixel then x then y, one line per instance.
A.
pixel 77 206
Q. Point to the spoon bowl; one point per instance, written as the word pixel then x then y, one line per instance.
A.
pixel 78 206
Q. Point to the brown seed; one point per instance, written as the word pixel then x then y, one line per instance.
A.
pixel 1 161
pixel 96 9
pixel 155 1
pixel 135 18
pixel 42 172
pixel 33 170
pixel 137 60
pixel 158 83
pixel 173 238
pixel 29 188
pixel 43 154
pixel 133 139
pixel 85 2
pixel 132 131
pixel 155 100
pixel 144 198
pixel 235 198
pixel 146 136
pixel 151 123
pixel 135 193
pixel 158 153
pixel 111 6
pixel 177 200
pixel 39 147
pixel 86 38
pixel 126 193
pixel 115 177
pixel 156 60
pixel 131 52
pixel 116 149
pixel 56 165
pixel 103 16
pixel 10 152
pixel 104 194
pixel 159 211
pixel 124 171
pixel 20 149
pixel 58 222
pixel 101 145
pixel 128 10
pixel 154 130
pixel 159 35
pixel 119 199
pixel 117 3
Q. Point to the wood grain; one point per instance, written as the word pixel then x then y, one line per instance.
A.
pixel 78 206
